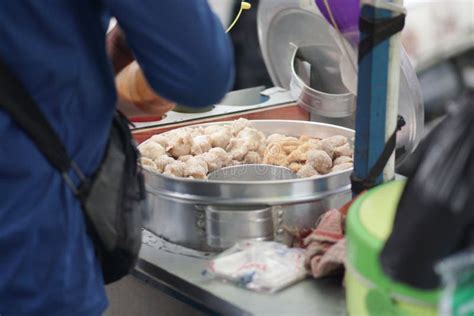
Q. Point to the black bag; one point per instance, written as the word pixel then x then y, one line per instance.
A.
pixel 435 216
pixel 112 199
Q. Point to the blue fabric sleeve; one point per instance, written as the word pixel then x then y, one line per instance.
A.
pixel 181 47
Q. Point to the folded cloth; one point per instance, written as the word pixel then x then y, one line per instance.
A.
pixel 298 235
pixel 331 262
pixel 325 246
pixel 329 228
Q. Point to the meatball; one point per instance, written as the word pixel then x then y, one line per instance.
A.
pixel 175 169
pixel 274 155
pixel 252 138
pixel 196 168
pixel 307 171
pixel 180 143
pixel 343 166
pixel 342 159
pixel 319 160
pixel 326 147
pixel 185 158
pixel 289 144
pixel 213 162
pixel 239 125
pixel 147 163
pixel 161 139
pixel 274 138
pixel 295 167
pixel 162 161
pixel 307 138
pixel 222 155
pixel 336 140
pixel 297 156
pixel 252 157
pixel 344 150
pixel 238 148
pixel 151 150
pixel 197 131
pixel 220 135
pixel 201 144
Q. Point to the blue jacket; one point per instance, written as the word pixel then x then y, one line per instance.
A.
pixel 57 49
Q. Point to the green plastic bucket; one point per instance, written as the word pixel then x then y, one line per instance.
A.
pixel 368 290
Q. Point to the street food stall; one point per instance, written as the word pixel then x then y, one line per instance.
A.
pixel 322 91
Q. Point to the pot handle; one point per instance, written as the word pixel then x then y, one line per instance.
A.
pixel 226 225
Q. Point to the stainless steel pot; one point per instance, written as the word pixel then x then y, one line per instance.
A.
pixel 226 225
pixel 184 211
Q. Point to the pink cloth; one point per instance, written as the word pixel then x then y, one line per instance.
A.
pixel 326 246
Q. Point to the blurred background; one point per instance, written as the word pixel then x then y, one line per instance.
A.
pixel 251 71
pixel 438 36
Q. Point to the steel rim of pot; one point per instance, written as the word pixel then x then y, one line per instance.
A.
pixel 301 91
pixel 280 192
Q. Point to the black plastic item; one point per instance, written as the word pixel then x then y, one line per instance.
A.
pixel 435 216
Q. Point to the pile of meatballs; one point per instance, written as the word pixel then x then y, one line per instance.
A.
pixel 194 152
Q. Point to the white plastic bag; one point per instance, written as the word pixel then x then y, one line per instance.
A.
pixel 457 272
pixel 261 266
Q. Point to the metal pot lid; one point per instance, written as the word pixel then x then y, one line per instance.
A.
pixel 286 25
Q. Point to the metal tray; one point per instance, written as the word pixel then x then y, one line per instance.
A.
pixel 281 192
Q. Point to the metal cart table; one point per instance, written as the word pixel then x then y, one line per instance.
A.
pixel 181 277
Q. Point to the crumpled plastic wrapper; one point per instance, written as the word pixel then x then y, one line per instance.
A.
pixel 261 266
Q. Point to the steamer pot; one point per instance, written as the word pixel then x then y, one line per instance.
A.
pixel 186 211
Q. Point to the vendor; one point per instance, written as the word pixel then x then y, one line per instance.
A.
pixel 57 50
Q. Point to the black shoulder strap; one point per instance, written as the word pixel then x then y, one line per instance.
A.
pixel 16 101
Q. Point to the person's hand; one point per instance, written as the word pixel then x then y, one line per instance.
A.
pixel 118 50
pixel 136 97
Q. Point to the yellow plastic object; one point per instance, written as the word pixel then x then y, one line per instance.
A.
pixel 243 6
pixel 369 290
pixel 246 6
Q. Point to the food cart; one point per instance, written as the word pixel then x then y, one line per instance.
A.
pixel 313 68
